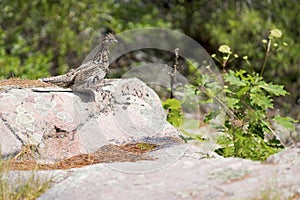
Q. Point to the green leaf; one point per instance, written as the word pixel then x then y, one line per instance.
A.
pixel 173 107
pixel 242 91
pixel 233 79
pixel 286 122
pixel 261 100
pixel 171 104
pixel 232 102
pixel 277 90
pixel 240 73
pixel 256 90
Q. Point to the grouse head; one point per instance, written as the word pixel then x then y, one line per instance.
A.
pixel 109 39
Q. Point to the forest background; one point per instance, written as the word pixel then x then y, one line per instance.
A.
pixel 40 38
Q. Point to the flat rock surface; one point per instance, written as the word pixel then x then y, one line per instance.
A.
pixel 190 176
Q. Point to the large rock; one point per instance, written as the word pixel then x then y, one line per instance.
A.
pixel 63 123
pixel 192 176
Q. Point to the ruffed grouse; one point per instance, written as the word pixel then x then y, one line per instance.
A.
pixel 88 74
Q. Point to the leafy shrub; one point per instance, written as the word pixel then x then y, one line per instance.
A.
pixel 247 129
pixel 248 100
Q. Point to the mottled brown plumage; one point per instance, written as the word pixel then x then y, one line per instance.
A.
pixel 88 74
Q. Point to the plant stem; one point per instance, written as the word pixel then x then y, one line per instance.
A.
pixel 232 130
pixel 266 57
pixel 174 72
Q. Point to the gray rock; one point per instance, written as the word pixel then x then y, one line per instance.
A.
pixel 189 177
pixel 290 156
pixel 63 124
pixel 9 144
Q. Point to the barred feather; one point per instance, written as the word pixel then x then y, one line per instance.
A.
pixel 87 74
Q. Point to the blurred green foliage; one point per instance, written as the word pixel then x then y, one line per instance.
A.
pixel 242 25
pixel 173 108
pixel 43 37
pixel 47 37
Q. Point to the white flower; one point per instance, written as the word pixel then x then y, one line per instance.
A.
pixel 224 49
pixel 275 33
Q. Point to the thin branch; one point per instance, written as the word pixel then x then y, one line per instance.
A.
pixel 174 72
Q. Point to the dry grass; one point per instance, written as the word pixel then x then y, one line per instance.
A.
pixel 21 188
pixel 17 82
pixel 25 160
